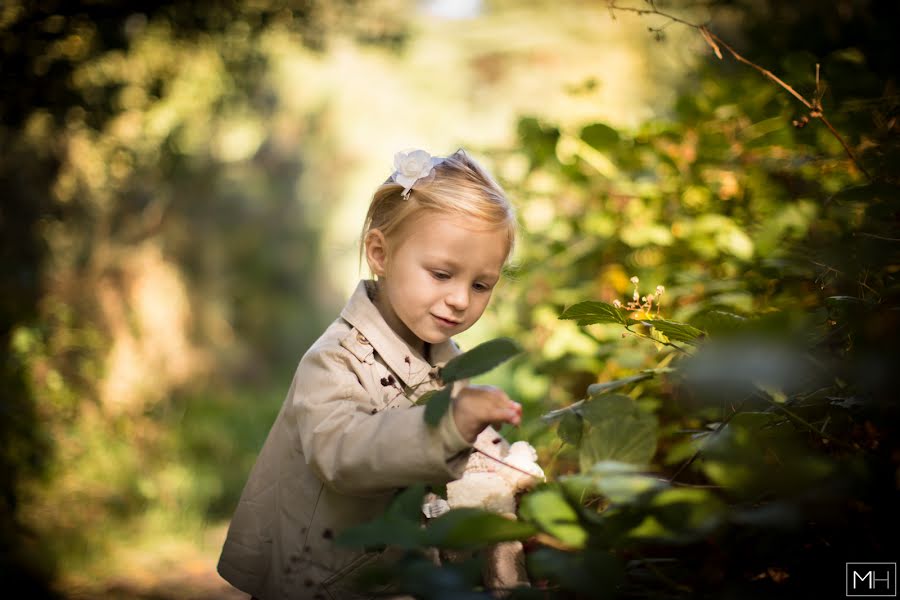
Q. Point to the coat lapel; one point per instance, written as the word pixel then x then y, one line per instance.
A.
pixel 399 356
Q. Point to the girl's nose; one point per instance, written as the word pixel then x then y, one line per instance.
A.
pixel 458 298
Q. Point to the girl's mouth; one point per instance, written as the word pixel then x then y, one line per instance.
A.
pixel 445 322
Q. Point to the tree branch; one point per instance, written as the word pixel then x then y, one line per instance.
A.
pixel 714 42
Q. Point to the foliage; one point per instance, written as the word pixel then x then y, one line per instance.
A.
pixel 148 215
pixel 477 361
pixel 741 438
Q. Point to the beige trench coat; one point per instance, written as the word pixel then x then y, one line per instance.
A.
pixel 345 441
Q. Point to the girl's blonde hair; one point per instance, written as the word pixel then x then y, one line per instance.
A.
pixel 460 187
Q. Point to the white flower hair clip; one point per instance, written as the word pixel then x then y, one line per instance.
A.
pixel 413 166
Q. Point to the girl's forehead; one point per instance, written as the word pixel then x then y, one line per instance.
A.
pixel 453 230
pixel 460 238
pixel 455 225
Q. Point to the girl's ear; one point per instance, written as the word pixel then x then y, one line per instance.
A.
pixel 376 252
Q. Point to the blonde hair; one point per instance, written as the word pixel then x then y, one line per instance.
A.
pixel 460 187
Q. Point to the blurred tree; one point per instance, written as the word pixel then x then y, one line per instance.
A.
pixel 144 169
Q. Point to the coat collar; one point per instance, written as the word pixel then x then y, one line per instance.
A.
pixel 402 359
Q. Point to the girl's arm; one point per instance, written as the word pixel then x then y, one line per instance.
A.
pixel 356 452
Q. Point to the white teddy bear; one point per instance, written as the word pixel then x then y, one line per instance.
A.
pixel 495 473
pixel 493 476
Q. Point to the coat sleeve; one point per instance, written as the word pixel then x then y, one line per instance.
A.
pixel 358 452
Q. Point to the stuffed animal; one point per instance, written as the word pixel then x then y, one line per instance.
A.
pixel 494 475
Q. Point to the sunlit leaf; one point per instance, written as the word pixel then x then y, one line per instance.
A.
pixel 677 332
pixel 607 407
pixel 630 439
pixel 549 510
pixel 591 312
pixel 620 482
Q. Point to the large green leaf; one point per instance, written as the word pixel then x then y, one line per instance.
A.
pixel 607 407
pixel 480 359
pixel 464 528
pixel 592 311
pixel 549 510
pixel 437 405
pixel 618 431
pixel 627 438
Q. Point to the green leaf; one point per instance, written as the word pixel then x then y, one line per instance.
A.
pixel 720 321
pixel 465 528
pixel 592 311
pixel 571 428
pixel 480 359
pixel 600 136
pixel 596 389
pixel 437 406
pixel 397 526
pixel 383 532
pixel 407 504
pixel 620 482
pixel 630 439
pixel 607 407
pixel 687 513
pixel 618 430
pixel 675 331
pixel 549 510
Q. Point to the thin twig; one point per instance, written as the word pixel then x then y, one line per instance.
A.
pixel 807 425
pixel 504 463
pixel 712 434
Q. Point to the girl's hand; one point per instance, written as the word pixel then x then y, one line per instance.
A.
pixel 477 406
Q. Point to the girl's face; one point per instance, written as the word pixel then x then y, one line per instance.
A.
pixel 437 279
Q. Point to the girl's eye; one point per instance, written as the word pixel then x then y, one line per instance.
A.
pixel 480 287
pixel 440 275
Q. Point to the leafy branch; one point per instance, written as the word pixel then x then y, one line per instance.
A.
pixel 816 111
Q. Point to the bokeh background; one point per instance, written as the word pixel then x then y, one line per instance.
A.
pixel 183 186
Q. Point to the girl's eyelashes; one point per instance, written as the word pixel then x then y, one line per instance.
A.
pixel 444 276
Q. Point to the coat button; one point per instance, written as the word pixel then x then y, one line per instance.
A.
pixel 361 338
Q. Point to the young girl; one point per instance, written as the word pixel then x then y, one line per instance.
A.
pixel 348 435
